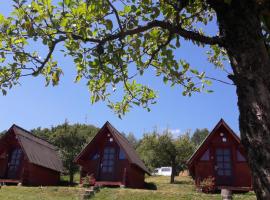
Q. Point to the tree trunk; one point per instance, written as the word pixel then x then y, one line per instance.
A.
pixel 239 24
pixel 173 171
pixel 71 177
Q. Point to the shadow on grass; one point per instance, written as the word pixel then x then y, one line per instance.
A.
pixel 150 186
pixel 183 182
pixel 66 183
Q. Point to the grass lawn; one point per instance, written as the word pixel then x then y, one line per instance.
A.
pixel 183 189
pixel 37 193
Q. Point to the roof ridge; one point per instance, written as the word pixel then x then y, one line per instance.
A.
pixel 141 163
pixel 117 131
pixel 33 137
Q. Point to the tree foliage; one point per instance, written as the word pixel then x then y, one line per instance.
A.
pixel 158 150
pixel 104 38
pixel 199 135
pixel 70 140
pixel 132 140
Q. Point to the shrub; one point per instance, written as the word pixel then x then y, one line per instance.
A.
pixel 88 180
pixel 208 184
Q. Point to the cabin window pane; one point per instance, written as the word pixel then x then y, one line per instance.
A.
pixel 111 150
pixel 219 158
pixel 226 152
pixel 109 169
pixel 110 162
pixel 227 158
pixel 227 165
pixel 122 155
pixel 105 169
pixel 220 165
pixel 219 152
pixel 240 157
pixel 206 155
pixel 220 172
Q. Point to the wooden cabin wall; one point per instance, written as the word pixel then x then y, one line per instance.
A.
pixel 241 175
pixel 92 167
pixel 124 172
pixel 135 177
pixel 38 176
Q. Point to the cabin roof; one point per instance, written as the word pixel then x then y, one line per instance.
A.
pixel 209 137
pixel 132 155
pixel 38 151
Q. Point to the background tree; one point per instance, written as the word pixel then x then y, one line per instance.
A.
pixel 185 148
pixel 132 140
pixel 70 140
pixel 199 135
pixel 105 36
pixel 147 150
pixel 158 150
pixel 70 143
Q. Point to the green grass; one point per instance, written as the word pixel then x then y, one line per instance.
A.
pixel 183 189
pixel 76 178
pixel 38 193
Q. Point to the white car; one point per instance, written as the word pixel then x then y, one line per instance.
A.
pixel 163 171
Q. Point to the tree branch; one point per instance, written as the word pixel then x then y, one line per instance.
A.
pixel 186 34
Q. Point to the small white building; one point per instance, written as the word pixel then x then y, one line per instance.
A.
pixel 163 171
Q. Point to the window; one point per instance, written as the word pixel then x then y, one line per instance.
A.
pixel 166 169
pixel 95 156
pixel 206 155
pixel 108 160
pixel 240 157
pixel 223 162
pixel 122 155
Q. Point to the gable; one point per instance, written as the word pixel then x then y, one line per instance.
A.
pixel 102 137
pixel 221 135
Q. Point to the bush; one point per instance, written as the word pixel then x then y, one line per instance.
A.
pixel 207 185
pixel 88 180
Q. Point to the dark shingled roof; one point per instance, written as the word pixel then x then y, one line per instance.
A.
pixel 132 155
pixel 38 151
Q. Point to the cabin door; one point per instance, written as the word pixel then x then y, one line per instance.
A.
pixel 108 164
pixel 14 163
pixel 223 166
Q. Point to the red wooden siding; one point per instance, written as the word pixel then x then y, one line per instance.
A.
pixel 223 163
pixel 108 167
pixel 26 172
pixel 37 175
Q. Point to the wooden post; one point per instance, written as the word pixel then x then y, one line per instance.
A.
pixel 124 178
pixel 226 194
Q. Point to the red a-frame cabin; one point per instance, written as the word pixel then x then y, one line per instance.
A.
pixel 222 157
pixel 111 160
pixel 27 159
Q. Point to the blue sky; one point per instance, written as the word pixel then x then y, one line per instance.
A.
pixel 31 104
